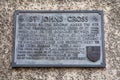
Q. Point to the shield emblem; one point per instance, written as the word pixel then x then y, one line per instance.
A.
pixel 93 53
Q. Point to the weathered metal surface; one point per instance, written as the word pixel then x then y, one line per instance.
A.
pixel 59 39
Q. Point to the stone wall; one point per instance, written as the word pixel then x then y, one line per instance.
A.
pixel 111 10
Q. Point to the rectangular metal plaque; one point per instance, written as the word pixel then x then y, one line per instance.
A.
pixel 58 39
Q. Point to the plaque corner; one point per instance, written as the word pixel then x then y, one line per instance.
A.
pixel 16 12
pixel 13 64
pixel 103 64
pixel 100 12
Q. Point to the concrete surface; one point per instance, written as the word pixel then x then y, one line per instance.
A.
pixel 111 10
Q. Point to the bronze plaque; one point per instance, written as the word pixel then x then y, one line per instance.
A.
pixel 58 39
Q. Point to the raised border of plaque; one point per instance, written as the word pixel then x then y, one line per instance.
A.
pixel 100 12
